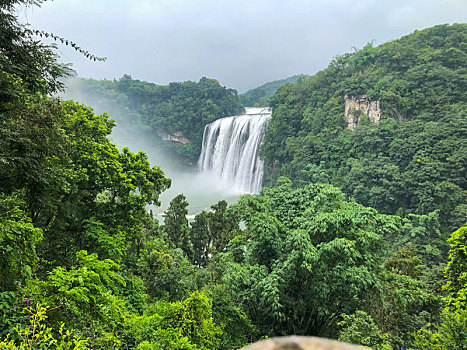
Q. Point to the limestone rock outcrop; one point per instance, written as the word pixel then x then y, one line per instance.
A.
pixel 175 137
pixel 301 343
pixel 357 106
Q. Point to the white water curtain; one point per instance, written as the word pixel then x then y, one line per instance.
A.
pixel 230 149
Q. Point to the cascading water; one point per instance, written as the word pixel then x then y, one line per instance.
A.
pixel 230 149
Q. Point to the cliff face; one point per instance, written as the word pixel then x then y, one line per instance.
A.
pixel 357 106
pixel 175 137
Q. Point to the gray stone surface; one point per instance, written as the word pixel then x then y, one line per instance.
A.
pixel 357 105
pixel 301 343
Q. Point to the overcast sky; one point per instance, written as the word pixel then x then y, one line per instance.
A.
pixel 241 43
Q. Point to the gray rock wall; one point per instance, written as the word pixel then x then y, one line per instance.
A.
pixel 355 106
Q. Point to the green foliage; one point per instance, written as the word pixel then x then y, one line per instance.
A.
pixel 166 272
pixel 133 292
pixel 401 306
pixel 405 262
pixel 359 328
pixel 176 224
pixel 456 270
pixel 237 328
pixel 200 239
pixel 58 157
pixel 450 334
pixel 38 336
pixel 185 324
pixel 9 314
pixel 18 238
pixel 309 257
pixel 178 108
pixel 103 191
pixel 424 232
pixel 451 331
pixel 22 55
pixel 85 297
pixel 211 232
pixel 80 287
pixel 413 161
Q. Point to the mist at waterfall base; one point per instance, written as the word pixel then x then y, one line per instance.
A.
pixel 202 189
pixel 229 163
pixel 228 166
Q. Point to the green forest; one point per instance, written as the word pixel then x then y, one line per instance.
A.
pixel 182 108
pixel 410 163
pixel 359 235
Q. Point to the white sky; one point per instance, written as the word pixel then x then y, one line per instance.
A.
pixel 241 43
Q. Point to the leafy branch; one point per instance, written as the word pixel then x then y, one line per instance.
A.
pixel 67 42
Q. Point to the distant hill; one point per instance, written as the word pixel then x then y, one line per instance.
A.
pixel 177 112
pixel 260 95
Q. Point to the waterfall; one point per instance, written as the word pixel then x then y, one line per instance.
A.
pixel 230 149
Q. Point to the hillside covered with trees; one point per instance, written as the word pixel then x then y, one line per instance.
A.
pixel 179 109
pixel 83 265
pixel 413 161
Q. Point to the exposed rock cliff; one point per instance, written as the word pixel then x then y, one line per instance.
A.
pixel 357 106
pixel 175 137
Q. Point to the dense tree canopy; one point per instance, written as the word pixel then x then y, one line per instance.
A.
pixel 182 108
pixel 311 257
pixel 413 161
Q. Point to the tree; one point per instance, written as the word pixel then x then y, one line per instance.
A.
pixel 200 239
pixel 237 328
pixel 309 257
pixel 185 324
pixel 211 232
pixel 451 331
pixel 27 58
pixel 58 156
pixel 84 296
pixel 359 328
pixel 96 188
pixel 38 336
pixel 24 57
pixel 176 224
pixel 166 272
pixel 18 239
pixel 405 262
pixel 456 270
